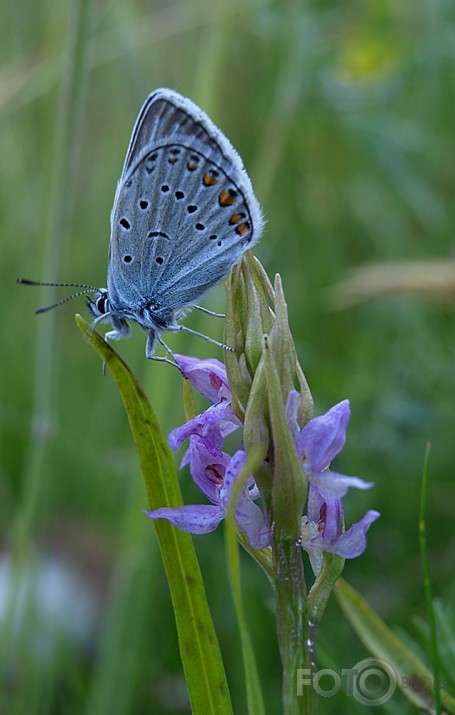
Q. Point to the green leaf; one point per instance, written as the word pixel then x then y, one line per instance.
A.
pixel 413 677
pixel 199 649
pixel 254 692
pixel 427 578
pixel 289 490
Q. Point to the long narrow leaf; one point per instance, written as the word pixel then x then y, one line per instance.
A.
pixel 413 676
pixel 427 580
pixel 199 649
pixel 253 686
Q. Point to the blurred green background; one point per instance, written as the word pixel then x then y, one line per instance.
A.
pixel 343 114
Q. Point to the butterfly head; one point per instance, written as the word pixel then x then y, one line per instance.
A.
pixel 100 304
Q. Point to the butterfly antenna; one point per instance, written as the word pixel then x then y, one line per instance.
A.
pixel 87 289
pixel 27 282
pixel 65 300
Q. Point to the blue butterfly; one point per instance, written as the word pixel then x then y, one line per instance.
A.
pixel 184 213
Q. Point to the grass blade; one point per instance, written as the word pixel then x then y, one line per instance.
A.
pixel 199 649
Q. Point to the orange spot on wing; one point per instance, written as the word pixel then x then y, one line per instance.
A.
pixel 242 229
pixel 236 218
pixel 226 198
pixel 191 166
pixel 209 180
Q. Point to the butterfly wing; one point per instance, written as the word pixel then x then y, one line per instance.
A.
pixel 184 211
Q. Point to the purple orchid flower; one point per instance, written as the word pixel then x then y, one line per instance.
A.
pixel 212 470
pixel 206 376
pixel 217 480
pixel 318 443
pixel 214 424
pixel 323 530
pixel 215 472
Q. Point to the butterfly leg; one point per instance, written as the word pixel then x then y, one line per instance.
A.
pixel 209 312
pixel 152 337
pixel 176 328
pixel 150 346
pixel 121 330
pixel 121 327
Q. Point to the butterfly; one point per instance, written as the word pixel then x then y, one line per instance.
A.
pixel 184 213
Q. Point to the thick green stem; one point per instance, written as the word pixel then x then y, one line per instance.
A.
pixel 294 634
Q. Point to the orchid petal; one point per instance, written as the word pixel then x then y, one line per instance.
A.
pixel 248 516
pixel 315 502
pixel 324 437
pixel 207 376
pixel 252 520
pixel 194 519
pixel 333 522
pixel 235 466
pixel 253 490
pixel 292 410
pixel 353 542
pixel 207 468
pixel 207 425
pixel 332 485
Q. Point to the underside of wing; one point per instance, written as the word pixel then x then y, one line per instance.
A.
pixel 184 211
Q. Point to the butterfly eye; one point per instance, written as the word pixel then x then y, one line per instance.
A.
pixel 101 305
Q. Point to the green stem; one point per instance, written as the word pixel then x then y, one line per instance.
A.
pixel 298 617
pixel 318 596
pixel 427 583
pixel 322 588
pixel 292 629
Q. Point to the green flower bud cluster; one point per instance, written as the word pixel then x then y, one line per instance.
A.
pixel 262 372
